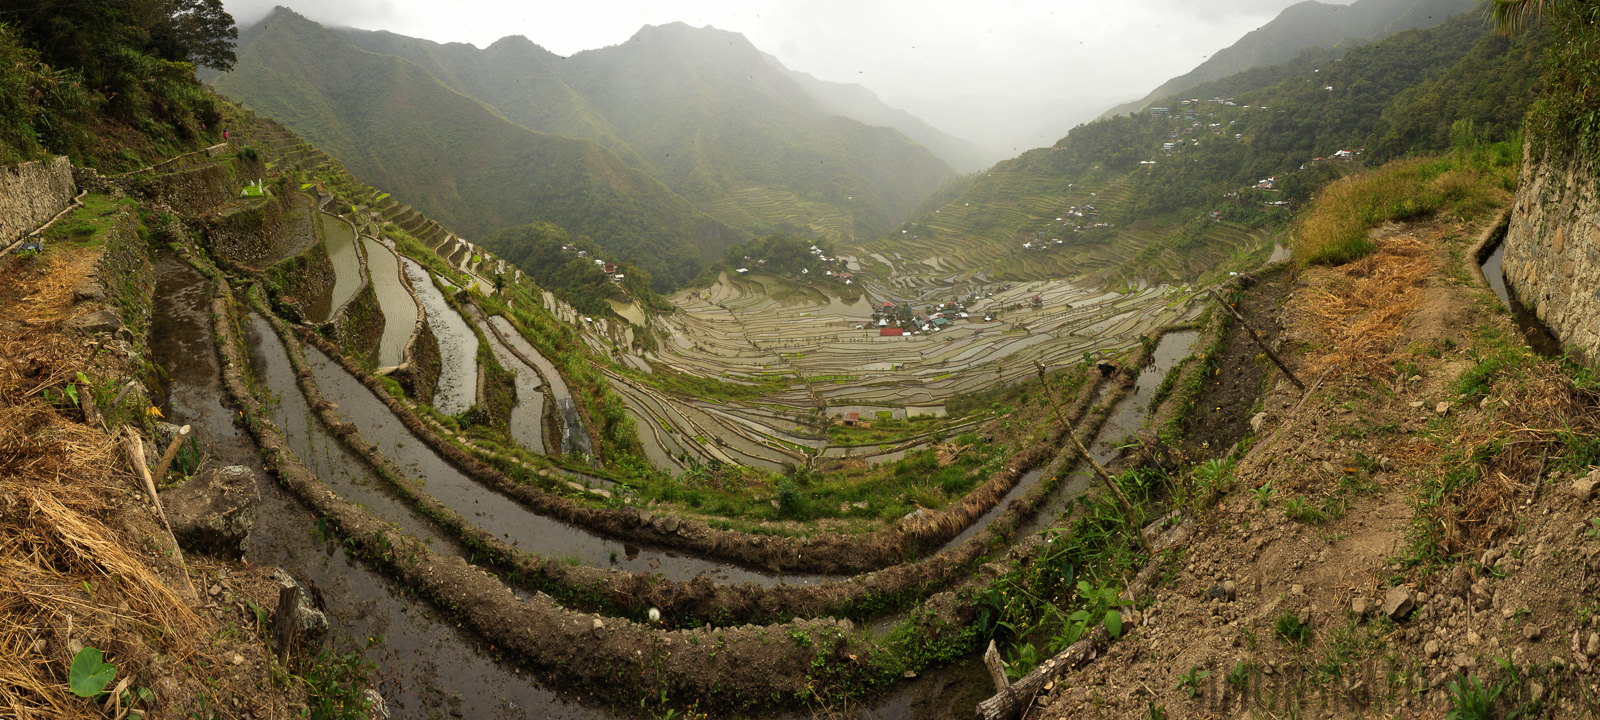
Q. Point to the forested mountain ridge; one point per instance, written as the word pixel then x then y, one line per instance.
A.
pixel 712 117
pixel 458 159
pixel 1302 26
pixel 1156 188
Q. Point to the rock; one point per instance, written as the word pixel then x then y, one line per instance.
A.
pixel 1397 603
pixel 1231 588
pixel 1217 593
pixel 103 320
pixel 1532 633
pixel 1360 607
pixel 598 628
pixel 1473 638
pixel 1593 648
pixel 1583 488
pixel 376 707
pixel 215 511
pixel 237 659
pixel 1536 691
pixel 310 623
pixel 1442 408
pixel 1256 422
pixel 645 517
pixel 1416 403
pixel 1431 649
pixel 88 291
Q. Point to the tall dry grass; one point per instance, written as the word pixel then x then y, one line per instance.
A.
pixel 1465 184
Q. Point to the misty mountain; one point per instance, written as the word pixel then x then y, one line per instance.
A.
pixel 713 118
pixel 855 101
pixel 1306 25
pixel 398 127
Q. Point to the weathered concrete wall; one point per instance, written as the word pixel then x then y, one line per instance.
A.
pixel 1552 258
pixel 32 193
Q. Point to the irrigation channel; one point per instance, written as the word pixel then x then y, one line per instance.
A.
pixel 1533 330
pixel 426 666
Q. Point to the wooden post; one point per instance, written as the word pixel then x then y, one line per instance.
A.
pixel 1111 484
pixel 91 414
pixel 172 452
pixel 997 669
pixel 1270 354
pixel 283 626
pixel 134 446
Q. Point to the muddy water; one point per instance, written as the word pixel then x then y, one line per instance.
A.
pixel 425 667
pixel 180 341
pixel 573 437
pixel 497 514
pixel 1125 420
pixel 323 454
pixel 527 418
pixel 399 310
pixel 458 346
pixel 340 241
pixel 1534 332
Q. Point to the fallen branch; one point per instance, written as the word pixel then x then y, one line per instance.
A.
pixel 1008 699
pixel 172 452
pixel 1270 354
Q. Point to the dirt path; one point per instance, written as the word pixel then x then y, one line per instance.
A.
pixel 1388 482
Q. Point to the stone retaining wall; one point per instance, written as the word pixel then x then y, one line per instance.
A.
pixel 31 194
pixel 1552 258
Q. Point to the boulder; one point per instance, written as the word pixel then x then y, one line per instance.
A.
pixel 103 320
pixel 311 623
pixel 1583 488
pixel 214 511
pixel 88 291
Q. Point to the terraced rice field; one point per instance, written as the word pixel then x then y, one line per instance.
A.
pixel 748 328
pixel 340 239
pixel 757 207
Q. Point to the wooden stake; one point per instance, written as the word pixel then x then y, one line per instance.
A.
pixel 135 449
pixel 283 626
pixel 1270 354
pixel 997 669
pixel 172 452
pixel 1111 484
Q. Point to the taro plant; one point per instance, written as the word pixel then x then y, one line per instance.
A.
pixel 1190 682
pixel 90 673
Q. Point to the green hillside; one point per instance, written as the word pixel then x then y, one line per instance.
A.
pixel 457 159
pixel 1153 206
pixel 1299 27
pixel 707 114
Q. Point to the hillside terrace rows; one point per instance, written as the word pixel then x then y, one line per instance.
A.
pixel 846 365
pixel 544 635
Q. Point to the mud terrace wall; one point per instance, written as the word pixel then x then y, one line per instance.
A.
pixel 194 191
pixel 31 193
pixel 1552 258
pixel 357 327
pixel 261 232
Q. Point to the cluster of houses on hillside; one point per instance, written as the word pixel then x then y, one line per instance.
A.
pixel 893 320
pixel 609 268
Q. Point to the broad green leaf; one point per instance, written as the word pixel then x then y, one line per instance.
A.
pixel 72 392
pixel 90 673
pixel 1114 623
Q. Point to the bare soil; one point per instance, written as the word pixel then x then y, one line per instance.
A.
pixel 1499 566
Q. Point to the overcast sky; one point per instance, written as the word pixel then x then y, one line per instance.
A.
pixel 994 71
